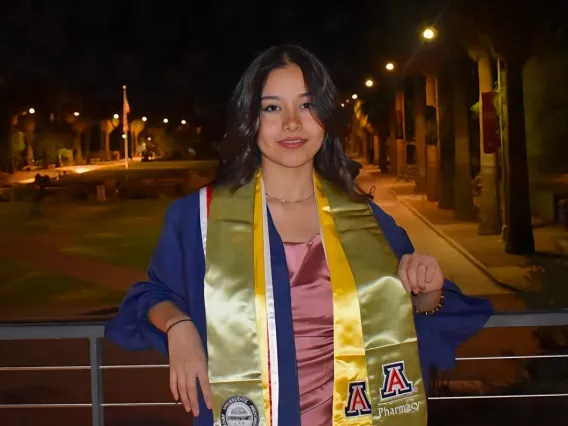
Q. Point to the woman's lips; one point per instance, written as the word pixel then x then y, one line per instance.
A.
pixel 291 143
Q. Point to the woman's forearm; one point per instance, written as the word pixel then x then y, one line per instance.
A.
pixel 165 313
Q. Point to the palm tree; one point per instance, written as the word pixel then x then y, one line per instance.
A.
pixel 107 127
pixel 136 127
pixel 79 126
pixel 27 123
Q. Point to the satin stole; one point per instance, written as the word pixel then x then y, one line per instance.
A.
pixel 377 377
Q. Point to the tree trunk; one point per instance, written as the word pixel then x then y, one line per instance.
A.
pixel 88 134
pixel 432 141
pixel 78 149
pixel 446 140
pixel 420 131
pixel 519 237
pixel 107 146
pixel 489 207
pixel 463 194
pixel 30 146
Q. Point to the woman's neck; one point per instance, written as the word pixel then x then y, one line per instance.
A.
pixel 289 184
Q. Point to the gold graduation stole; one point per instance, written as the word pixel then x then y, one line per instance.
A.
pixel 377 377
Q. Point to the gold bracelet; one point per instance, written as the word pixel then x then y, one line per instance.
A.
pixel 432 311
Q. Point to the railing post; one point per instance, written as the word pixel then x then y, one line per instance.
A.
pixel 95 355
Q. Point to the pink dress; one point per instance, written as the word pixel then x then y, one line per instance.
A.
pixel 312 313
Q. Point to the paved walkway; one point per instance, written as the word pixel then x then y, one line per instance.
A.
pixel 456 266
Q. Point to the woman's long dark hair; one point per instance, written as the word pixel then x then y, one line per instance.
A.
pixel 240 155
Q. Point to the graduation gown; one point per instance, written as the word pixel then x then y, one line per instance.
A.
pixel 176 273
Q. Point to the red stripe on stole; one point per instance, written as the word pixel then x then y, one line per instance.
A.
pixel 209 195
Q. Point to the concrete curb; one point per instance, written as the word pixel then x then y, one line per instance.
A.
pixel 450 241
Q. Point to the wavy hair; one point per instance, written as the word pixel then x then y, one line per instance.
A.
pixel 240 155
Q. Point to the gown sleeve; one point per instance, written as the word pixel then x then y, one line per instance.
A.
pixel 462 316
pixel 130 328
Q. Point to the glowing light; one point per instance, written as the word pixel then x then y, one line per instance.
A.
pixel 354 96
pixel 144 119
pixel 369 83
pixel 31 111
pixel 429 33
pixel 389 66
pixel 116 116
pixel 342 105
pixel 183 122
pixel 76 114
pixel 166 121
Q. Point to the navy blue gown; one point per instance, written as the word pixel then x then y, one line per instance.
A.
pixel 176 273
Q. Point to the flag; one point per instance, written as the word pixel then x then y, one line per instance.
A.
pixel 125 110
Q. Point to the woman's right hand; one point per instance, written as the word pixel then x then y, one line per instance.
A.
pixel 188 364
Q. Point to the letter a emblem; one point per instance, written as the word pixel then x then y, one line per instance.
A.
pixel 395 382
pixel 358 403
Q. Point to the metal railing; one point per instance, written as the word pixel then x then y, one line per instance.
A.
pixel 94 332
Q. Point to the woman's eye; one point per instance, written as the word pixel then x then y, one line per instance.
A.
pixel 307 105
pixel 270 108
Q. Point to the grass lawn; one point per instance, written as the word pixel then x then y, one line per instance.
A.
pixel 25 286
pixel 120 233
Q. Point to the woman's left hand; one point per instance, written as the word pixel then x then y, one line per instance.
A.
pixel 420 273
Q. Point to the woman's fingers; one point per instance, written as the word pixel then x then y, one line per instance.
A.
pixel 182 388
pixel 206 387
pixel 190 380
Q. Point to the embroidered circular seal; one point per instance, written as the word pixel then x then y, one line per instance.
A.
pixel 239 411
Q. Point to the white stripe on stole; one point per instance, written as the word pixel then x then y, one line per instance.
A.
pixel 203 217
pixel 270 310
pixel 270 316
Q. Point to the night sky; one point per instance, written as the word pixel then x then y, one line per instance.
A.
pixel 187 56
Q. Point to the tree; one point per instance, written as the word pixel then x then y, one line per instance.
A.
pixel 107 127
pixel 79 126
pixel 27 124
pixel 136 127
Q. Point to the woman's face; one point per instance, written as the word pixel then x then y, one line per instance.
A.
pixel 289 135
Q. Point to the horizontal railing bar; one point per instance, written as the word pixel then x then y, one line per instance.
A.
pixel 538 395
pixel 54 405
pixel 39 331
pixel 528 319
pixel 47 368
pixel 82 367
pixel 87 330
pixel 133 366
pixel 166 404
pixel 488 358
pixel 150 366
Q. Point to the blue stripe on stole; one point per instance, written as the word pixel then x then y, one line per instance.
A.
pixel 196 276
pixel 289 404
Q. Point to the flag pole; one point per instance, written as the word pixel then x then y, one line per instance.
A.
pixel 125 111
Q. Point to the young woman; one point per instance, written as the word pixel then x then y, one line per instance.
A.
pixel 280 293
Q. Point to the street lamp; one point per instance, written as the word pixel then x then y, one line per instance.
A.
pixel 144 119
pixel 116 116
pixel 354 96
pixel 166 121
pixel 369 83
pixel 31 111
pixel 429 33
pixel 389 66
pixel 183 122
pixel 76 114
